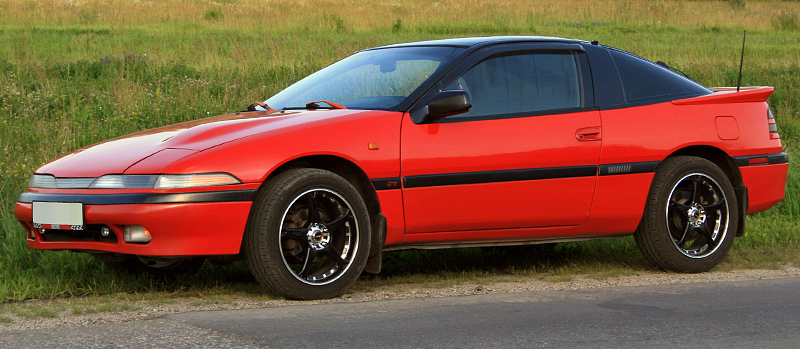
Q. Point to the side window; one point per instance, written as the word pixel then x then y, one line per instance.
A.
pixel 521 83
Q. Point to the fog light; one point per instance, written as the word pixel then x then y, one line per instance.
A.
pixel 105 231
pixel 136 234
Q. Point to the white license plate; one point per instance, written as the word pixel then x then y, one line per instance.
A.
pixel 58 215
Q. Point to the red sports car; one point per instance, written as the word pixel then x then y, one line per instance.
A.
pixel 436 144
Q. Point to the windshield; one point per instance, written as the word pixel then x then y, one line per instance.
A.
pixel 378 79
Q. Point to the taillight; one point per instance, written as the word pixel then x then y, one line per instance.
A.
pixel 773 127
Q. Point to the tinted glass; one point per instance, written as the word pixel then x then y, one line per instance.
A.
pixel 644 81
pixel 521 83
pixel 375 79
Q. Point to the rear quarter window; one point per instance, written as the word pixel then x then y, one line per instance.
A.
pixel 646 82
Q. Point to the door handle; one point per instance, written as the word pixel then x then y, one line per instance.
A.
pixel 587 134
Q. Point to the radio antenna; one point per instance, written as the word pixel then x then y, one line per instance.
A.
pixel 741 63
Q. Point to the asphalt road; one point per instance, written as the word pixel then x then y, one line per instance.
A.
pixel 763 313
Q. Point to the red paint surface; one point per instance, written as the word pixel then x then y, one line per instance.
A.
pixel 252 145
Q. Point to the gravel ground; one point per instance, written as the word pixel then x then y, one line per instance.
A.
pixel 149 311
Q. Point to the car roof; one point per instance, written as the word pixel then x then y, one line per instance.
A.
pixel 480 41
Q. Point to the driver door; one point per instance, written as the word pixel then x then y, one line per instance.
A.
pixel 525 155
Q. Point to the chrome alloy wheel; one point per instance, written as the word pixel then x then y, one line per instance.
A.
pixel 697 215
pixel 318 237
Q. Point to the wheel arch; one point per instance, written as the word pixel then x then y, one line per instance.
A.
pixel 731 169
pixel 343 167
pixel 359 179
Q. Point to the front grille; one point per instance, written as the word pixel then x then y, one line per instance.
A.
pixel 92 233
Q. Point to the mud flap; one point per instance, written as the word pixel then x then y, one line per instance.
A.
pixel 742 199
pixel 375 259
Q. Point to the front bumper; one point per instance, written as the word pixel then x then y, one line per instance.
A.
pixel 181 224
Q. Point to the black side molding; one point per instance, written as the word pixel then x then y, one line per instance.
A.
pixel 434 180
pixel 386 183
pixel 628 168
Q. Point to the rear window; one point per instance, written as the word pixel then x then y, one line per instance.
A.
pixel 644 81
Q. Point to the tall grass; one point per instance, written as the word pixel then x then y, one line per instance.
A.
pixel 73 73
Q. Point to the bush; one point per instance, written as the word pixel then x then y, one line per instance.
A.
pixel 737 3
pixel 787 21
pixel 213 14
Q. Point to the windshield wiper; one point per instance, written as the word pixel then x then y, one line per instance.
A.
pixel 316 105
pixel 256 105
pixel 661 63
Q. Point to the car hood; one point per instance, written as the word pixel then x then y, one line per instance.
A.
pixel 116 155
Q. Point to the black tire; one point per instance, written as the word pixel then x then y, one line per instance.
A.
pixel 689 221
pixel 308 236
pixel 133 265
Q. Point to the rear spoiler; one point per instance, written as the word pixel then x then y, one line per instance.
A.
pixel 729 95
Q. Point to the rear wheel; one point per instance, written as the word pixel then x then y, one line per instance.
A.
pixel 308 236
pixel 690 217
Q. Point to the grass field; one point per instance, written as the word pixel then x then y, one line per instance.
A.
pixel 73 73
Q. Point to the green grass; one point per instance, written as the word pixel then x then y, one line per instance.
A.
pixel 39 310
pixel 76 73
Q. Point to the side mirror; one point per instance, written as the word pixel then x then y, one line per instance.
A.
pixel 448 103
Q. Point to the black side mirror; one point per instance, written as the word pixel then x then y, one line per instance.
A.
pixel 448 103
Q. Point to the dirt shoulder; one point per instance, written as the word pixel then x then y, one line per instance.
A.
pixel 147 310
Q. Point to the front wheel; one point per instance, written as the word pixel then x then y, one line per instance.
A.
pixel 690 217
pixel 134 265
pixel 308 236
